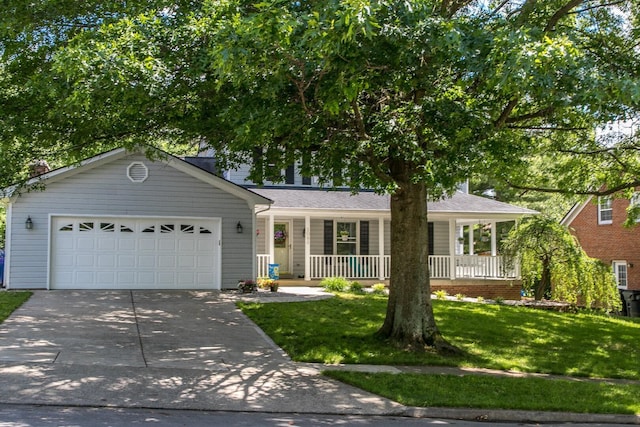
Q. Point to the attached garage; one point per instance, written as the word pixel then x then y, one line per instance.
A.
pixel 122 220
pixel 134 253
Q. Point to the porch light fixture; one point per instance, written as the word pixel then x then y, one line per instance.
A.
pixel 239 228
pixel 28 224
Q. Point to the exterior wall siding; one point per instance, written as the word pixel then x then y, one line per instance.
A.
pixel 440 238
pixel 106 190
pixel 609 242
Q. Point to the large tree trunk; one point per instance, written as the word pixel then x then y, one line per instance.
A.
pixel 409 321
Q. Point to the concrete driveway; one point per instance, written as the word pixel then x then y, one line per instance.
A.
pixel 170 349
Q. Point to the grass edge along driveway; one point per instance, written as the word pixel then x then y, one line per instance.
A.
pixel 341 330
pixel 10 301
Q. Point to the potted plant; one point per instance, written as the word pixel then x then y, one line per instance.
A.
pixel 268 283
pixel 344 235
pixel 247 286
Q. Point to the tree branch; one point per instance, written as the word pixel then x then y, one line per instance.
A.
pixel 535 115
pixel 549 128
pixel 506 112
pixel 603 192
pixel 560 13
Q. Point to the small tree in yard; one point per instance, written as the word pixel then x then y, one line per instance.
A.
pixel 553 264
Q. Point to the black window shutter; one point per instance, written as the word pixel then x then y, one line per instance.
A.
pixel 431 242
pixel 290 177
pixel 306 180
pixel 328 237
pixel 364 237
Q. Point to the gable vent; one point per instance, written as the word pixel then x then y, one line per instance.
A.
pixel 137 172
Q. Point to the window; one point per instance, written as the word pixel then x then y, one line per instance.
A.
pixel 85 226
pixel 108 227
pixel 167 228
pixel 346 238
pixel 620 271
pixel 605 210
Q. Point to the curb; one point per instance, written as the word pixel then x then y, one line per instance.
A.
pixel 493 415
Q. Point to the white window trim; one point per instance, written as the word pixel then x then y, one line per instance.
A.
pixel 614 265
pixel 600 210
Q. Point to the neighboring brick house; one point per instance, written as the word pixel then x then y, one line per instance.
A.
pixel 598 225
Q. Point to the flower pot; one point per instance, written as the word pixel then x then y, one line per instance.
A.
pixel 273 288
pixel 344 238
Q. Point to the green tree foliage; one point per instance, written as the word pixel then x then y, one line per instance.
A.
pixel 408 98
pixel 554 265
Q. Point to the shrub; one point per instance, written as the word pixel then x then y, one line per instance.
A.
pixel 441 294
pixel 334 284
pixel 460 297
pixel 356 287
pixel 499 300
pixel 480 299
pixel 378 288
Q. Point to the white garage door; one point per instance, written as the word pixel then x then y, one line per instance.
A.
pixel 134 253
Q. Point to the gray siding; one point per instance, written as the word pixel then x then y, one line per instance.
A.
pixel 441 238
pixel 106 190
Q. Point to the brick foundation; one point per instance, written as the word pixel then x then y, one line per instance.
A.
pixel 490 289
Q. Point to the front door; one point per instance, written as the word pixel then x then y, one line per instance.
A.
pixel 282 246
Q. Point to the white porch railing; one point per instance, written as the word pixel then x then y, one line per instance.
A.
pixel 368 267
pixel 349 266
pixel 263 265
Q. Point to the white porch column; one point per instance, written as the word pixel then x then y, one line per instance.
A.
pixel 307 248
pixel 270 244
pixel 453 244
pixel 471 249
pixel 381 248
pixel 494 244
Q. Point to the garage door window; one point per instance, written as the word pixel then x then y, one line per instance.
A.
pixel 108 227
pixel 86 226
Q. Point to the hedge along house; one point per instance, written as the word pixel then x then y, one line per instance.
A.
pixel 122 221
pixel 313 233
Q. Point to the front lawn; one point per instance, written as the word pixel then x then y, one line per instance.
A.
pixel 10 300
pixel 341 330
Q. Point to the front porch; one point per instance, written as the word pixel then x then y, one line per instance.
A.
pixel 376 267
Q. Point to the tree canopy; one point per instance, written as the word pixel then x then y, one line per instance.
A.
pixel 408 98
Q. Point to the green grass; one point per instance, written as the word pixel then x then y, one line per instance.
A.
pixel 10 300
pixel 341 330
pixel 498 393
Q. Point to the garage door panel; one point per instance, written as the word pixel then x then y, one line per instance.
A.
pixel 146 244
pixel 126 243
pixel 186 245
pixel 167 262
pixel 117 253
pixel 107 244
pixel 107 260
pixel 126 261
pixel 85 261
pixel 85 243
pixel 147 261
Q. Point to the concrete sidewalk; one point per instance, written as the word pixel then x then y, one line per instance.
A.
pixel 190 350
